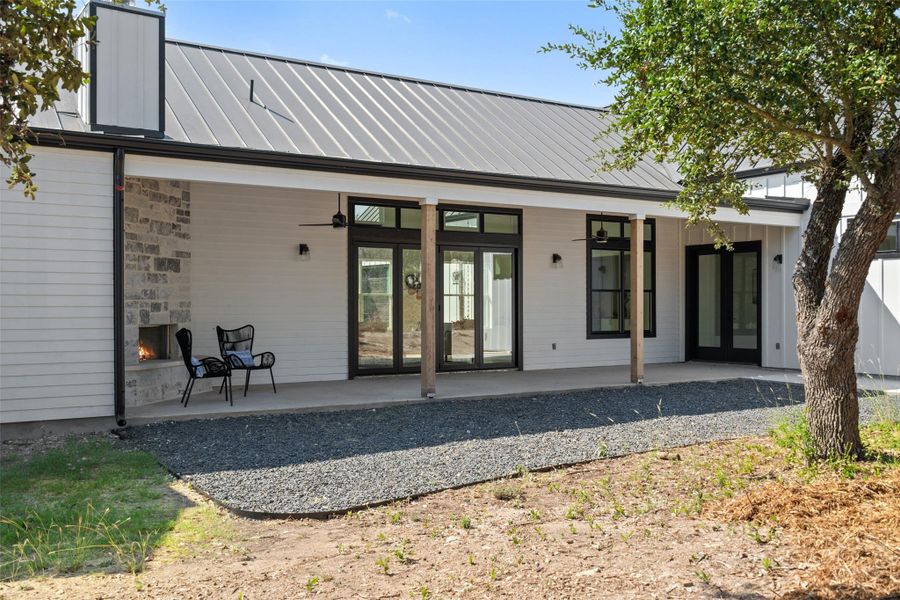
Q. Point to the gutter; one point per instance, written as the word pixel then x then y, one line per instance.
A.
pixel 119 283
pixel 269 158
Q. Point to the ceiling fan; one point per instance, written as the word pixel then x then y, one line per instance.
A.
pixel 338 220
pixel 601 238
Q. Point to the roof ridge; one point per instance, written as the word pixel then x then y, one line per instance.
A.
pixel 300 61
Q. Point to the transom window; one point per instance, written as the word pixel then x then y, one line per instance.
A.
pixel 609 278
pixel 391 215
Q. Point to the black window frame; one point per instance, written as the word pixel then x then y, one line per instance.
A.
pixel 879 254
pixel 622 244
pixel 895 252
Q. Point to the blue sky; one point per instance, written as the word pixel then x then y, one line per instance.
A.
pixel 491 45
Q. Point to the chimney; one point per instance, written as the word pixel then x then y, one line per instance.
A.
pixel 126 61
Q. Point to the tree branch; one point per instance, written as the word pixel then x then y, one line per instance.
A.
pixel 811 136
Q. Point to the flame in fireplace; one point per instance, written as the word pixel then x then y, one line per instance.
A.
pixel 144 353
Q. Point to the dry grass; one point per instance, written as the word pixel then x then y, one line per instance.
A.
pixel 846 518
pixel 849 529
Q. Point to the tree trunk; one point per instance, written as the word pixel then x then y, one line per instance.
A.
pixel 828 373
pixel 832 405
pixel 828 302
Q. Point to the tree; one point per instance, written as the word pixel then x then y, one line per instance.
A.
pixel 37 60
pixel 809 84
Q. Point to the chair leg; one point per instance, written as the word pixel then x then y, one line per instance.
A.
pixel 222 386
pixel 184 393
pixel 230 389
pixel 227 389
pixel 274 391
pixel 246 383
pixel 189 390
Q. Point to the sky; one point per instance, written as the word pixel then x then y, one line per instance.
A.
pixel 491 45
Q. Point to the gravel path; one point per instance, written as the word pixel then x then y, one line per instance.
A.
pixel 309 463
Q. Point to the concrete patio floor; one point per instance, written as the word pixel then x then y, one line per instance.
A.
pixel 371 392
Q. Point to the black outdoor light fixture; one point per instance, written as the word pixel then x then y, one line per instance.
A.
pixel 778 258
pixel 556 258
pixel 304 249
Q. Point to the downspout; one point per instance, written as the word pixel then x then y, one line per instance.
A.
pixel 119 282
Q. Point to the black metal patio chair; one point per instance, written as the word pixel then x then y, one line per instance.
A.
pixel 236 347
pixel 201 368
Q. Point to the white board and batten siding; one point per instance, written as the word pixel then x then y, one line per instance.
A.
pixel 56 290
pixel 878 348
pixel 246 268
pixel 127 79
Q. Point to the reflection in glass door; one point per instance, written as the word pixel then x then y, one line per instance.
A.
pixel 478 318
pixel 724 303
pixel 375 307
pixel 744 300
pixel 458 307
pixel 709 300
pixel 498 312
pixel 411 307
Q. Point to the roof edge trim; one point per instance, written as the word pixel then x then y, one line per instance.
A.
pixel 267 158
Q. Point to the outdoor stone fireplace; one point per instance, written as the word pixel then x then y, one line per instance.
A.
pixel 155 342
pixel 157 287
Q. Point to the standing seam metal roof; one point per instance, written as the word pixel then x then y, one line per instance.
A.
pixel 323 110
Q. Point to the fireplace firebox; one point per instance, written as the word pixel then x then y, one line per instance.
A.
pixel 155 342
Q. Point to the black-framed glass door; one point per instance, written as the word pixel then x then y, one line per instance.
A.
pixel 477 307
pixel 724 303
pixel 479 287
pixel 387 316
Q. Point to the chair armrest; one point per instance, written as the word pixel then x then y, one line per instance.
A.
pixel 264 359
pixel 234 362
pixel 213 367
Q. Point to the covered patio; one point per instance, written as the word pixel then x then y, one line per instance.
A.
pixel 371 392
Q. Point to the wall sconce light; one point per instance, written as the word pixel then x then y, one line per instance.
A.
pixel 556 258
pixel 779 259
pixel 304 249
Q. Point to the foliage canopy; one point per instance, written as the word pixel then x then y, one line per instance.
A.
pixel 712 85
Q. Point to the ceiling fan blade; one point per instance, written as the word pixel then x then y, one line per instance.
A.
pixel 316 225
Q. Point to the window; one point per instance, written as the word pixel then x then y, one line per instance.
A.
pixel 891 241
pixel 476 221
pixel 387 214
pixel 373 215
pixel 890 246
pixel 609 284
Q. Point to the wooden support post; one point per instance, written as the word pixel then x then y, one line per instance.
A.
pixel 429 299
pixel 637 298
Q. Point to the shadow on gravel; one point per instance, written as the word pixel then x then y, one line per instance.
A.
pixel 268 441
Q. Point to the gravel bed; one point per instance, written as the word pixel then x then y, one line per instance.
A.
pixel 313 463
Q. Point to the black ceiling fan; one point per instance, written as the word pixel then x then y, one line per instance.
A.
pixel 601 238
pixel 338 220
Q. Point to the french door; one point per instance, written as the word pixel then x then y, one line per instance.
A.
pixel 477 308
pixel 477 302
pixel 386 310
pixel 724 304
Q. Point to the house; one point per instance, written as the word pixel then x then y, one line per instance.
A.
pixel 478 236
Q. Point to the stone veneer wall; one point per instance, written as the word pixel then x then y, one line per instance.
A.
pixel 157 281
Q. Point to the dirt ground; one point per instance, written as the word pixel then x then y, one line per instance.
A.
pixel 721 520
